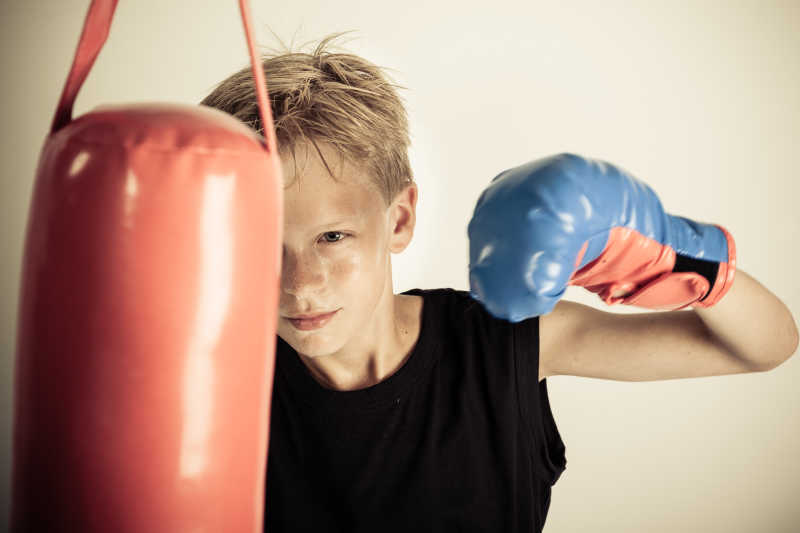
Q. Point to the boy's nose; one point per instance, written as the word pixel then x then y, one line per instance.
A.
pixel 304 273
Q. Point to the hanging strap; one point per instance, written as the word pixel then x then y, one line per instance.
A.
pixel 93 37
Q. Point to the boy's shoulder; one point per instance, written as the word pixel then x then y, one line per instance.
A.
pixel 446 301
pixel 552 326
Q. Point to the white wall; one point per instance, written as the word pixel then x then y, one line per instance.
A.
pixel 699 99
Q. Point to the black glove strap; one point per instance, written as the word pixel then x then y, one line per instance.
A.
pixel 707 269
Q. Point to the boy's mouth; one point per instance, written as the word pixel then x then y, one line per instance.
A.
pixel 312 321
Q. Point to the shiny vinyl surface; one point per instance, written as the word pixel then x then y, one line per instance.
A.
pixel 147 321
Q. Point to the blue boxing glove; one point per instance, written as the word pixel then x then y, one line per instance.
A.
pixel 568 220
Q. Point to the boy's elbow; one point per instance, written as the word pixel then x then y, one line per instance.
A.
pixel 780 360
pixel 793 342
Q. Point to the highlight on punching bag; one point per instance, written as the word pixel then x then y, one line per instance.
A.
pixel 147 315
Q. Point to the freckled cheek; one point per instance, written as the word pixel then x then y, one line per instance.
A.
pixel 346 269
pixel 354 267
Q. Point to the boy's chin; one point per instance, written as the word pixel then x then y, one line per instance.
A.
pixel 310 345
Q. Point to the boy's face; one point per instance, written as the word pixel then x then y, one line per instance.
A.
pixel 336 251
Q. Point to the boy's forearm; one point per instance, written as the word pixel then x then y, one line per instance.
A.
pixel 753 323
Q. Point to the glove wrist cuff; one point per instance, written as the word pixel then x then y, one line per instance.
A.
pixel 725 275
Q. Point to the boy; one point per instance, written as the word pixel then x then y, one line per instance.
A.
pixel 423 411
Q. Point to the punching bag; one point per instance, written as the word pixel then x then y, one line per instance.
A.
pixel 147 315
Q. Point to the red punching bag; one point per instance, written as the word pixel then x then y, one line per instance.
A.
pixel 147 316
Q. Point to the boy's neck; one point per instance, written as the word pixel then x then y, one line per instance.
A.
pixel 383 348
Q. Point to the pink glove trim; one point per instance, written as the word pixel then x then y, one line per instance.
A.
pixel 629 260
pixel 642 268
pixel 668 292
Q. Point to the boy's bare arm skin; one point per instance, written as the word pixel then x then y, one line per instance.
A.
pixel 749 330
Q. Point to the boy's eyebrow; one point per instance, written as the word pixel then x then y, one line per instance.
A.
pixel 335 223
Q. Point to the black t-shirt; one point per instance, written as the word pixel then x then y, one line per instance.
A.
pixel 460 438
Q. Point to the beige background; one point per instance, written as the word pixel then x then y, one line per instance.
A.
pixel 699 99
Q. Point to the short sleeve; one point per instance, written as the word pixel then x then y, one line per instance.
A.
pixel 548 448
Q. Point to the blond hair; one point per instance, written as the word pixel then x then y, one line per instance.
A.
pixel 337 98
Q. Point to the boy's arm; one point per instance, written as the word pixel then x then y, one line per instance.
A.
pixel 749 330
pixel 753 323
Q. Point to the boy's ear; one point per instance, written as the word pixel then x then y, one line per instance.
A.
pixel 403 218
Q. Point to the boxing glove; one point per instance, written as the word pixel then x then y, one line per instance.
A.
pixel 570 220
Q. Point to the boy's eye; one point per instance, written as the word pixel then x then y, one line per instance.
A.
pixel 333 236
